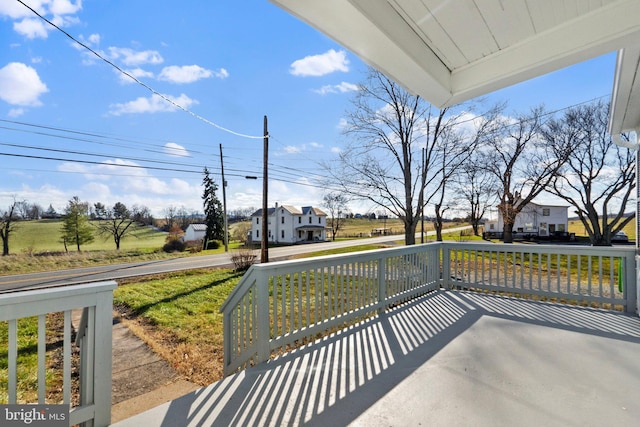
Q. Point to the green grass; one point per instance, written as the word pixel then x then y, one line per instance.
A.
pixel 44 236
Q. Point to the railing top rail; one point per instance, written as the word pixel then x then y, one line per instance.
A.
pixel 46 294
pixel 546 248
pixel 347 257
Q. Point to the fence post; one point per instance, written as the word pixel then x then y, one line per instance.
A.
pixel 382 284
pixel 445 268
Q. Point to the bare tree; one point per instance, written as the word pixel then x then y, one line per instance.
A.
pixel 456 149
pixel 170 213
pixel 116 223
pixel 477 188
pixel 7 226
pixel 598 178
pixel 382 163
pixel 336 204
pixel 523 163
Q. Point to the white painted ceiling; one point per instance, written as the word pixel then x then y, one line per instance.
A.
pixel 448 51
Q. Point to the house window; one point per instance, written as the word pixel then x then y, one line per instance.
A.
pixel 257 234
pixel 491 226
pixel 309 220
pixel 561 227
pixel 319 220
pixel 282 220
pixel 282 234
pixel 299 234
pixel 257 220
pixel 546 211
pixel 299 220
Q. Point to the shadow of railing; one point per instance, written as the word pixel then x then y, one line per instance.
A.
pixel 335 379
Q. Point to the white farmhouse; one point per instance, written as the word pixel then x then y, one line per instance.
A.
pixel 534 220
pixel 288 224
pixel 194 232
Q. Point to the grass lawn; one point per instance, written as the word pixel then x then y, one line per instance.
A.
pixel 178 316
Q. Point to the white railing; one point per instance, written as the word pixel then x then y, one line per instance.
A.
pixel 279 305
pixel 43 315
pixel 599 277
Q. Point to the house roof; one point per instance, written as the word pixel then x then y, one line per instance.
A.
pixel 316 211
pixel 451 51
pixel 198 227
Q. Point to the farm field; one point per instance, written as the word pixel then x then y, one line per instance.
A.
pixel 44 236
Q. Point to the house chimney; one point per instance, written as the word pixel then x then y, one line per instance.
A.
pixel 276 205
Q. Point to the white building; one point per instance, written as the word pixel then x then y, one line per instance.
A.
pixel 534 219
pixel 195 232
pixel 288 224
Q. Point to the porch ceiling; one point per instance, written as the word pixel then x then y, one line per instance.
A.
pixel 451 51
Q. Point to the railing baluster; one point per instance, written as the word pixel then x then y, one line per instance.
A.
pixel 13 361
pixel 42 351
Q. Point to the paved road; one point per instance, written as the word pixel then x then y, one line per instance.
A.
pixel 19 282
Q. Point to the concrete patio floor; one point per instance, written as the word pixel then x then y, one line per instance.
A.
pixel 452 358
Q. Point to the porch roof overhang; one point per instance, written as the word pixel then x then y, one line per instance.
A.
pixel 451 51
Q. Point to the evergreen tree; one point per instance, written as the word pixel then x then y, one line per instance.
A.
pixel 75 227
pixel 214 214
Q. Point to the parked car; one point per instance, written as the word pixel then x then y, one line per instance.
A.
pixel 620 237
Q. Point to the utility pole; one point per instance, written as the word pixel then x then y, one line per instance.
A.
pixel 264 249
pixel 224 204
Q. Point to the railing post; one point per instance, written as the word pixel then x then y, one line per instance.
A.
pixel 103 358
pixel 632 280
pixel 382 284
pixel 264 324
pixel 445 268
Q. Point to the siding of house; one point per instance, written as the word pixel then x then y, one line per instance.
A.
pixel 541 220
pixel 288 224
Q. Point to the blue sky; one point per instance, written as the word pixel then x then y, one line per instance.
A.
pixel 228 63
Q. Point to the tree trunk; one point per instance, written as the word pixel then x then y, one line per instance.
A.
pixel 410 233
pixel 507 232
pixel 5 246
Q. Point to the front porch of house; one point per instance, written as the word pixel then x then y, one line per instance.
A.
pixel 447 358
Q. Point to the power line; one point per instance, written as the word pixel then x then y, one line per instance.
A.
pixel 146 86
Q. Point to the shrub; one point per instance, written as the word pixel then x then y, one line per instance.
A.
pixel 214 244
pixel 174 246
pixel 243 259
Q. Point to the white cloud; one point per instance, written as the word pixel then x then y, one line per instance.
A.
pixel 64 7
pixel 132 57
pixel 16 112
pixel 336 150
pixel 339 88
pixel 319 65
pixel 138 73
pixel 184 74
pixel 31 28
pixel 21 85
pixel 175 150
pixel 290 149
pixel 60 12
pixel 222 73
pixel 153 104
